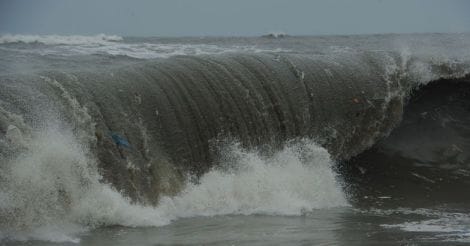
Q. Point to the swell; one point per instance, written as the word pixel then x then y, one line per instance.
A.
pixel 174 112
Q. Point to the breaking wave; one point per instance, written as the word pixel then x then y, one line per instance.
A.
pixel 235 133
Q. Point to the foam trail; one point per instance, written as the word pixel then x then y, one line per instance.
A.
pixel 444 226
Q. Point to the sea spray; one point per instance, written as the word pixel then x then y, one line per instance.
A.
pixel 53 190
pixel 295 179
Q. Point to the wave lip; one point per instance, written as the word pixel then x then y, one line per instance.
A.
pixel 100 39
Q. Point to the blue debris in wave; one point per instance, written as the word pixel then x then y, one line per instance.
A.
pixel 120 141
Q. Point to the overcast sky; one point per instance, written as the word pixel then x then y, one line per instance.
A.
pixel 232 17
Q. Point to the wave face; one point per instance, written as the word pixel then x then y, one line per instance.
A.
pixel 172 110
pixel 202 130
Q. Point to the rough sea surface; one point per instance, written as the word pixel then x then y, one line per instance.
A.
pixel 272 140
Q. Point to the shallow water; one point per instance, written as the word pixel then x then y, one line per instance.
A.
pixel 338 226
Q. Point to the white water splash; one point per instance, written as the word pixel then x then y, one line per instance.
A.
pixel 52 191
pixel 296 179
pixel 53 188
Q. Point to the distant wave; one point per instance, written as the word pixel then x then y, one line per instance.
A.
pixel 112 45
pixel 276 35
pixel 100 39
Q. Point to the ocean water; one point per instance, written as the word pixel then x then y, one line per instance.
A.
pixel 273 140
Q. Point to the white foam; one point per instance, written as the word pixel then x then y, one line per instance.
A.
pixel 157 50
pixel 427 63
pixel 100 39
pixel 52 191
pixel 299 178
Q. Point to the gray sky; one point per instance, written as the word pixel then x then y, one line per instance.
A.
pixel 232 17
